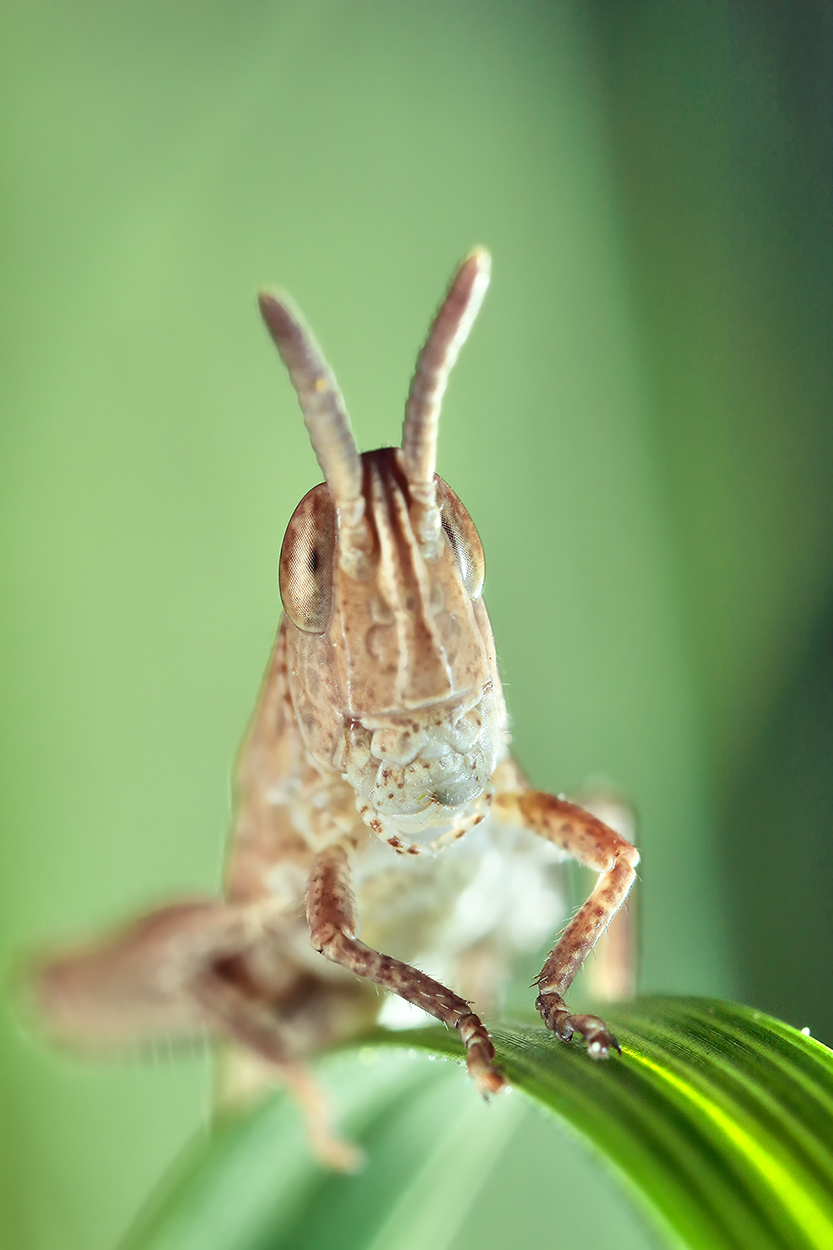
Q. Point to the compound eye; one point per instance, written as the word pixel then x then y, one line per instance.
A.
pixel 463 539
pixel 305 573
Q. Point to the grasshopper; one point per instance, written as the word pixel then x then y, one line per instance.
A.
pixel 375 783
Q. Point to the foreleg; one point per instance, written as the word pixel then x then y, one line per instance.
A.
pixel 331 917
pixel 596 846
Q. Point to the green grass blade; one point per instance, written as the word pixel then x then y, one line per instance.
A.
pixel 718 1118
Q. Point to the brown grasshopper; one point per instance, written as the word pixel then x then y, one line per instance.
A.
pixel 379 740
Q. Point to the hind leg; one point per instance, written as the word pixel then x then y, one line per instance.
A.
pixel 204 965
pixel 132 985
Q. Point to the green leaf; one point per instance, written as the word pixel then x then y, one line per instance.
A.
pixel 719 1119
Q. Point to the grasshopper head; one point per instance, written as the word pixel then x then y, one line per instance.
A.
pixel 390 655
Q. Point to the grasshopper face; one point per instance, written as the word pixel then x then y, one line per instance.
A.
pixel 391 664
pixel 399 692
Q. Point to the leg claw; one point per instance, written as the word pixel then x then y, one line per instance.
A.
pixel 480 1054
pixel 600 1041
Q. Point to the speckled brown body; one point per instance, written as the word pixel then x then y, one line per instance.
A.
pixel 378 742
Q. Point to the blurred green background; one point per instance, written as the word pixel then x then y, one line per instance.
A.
pixel 641 427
